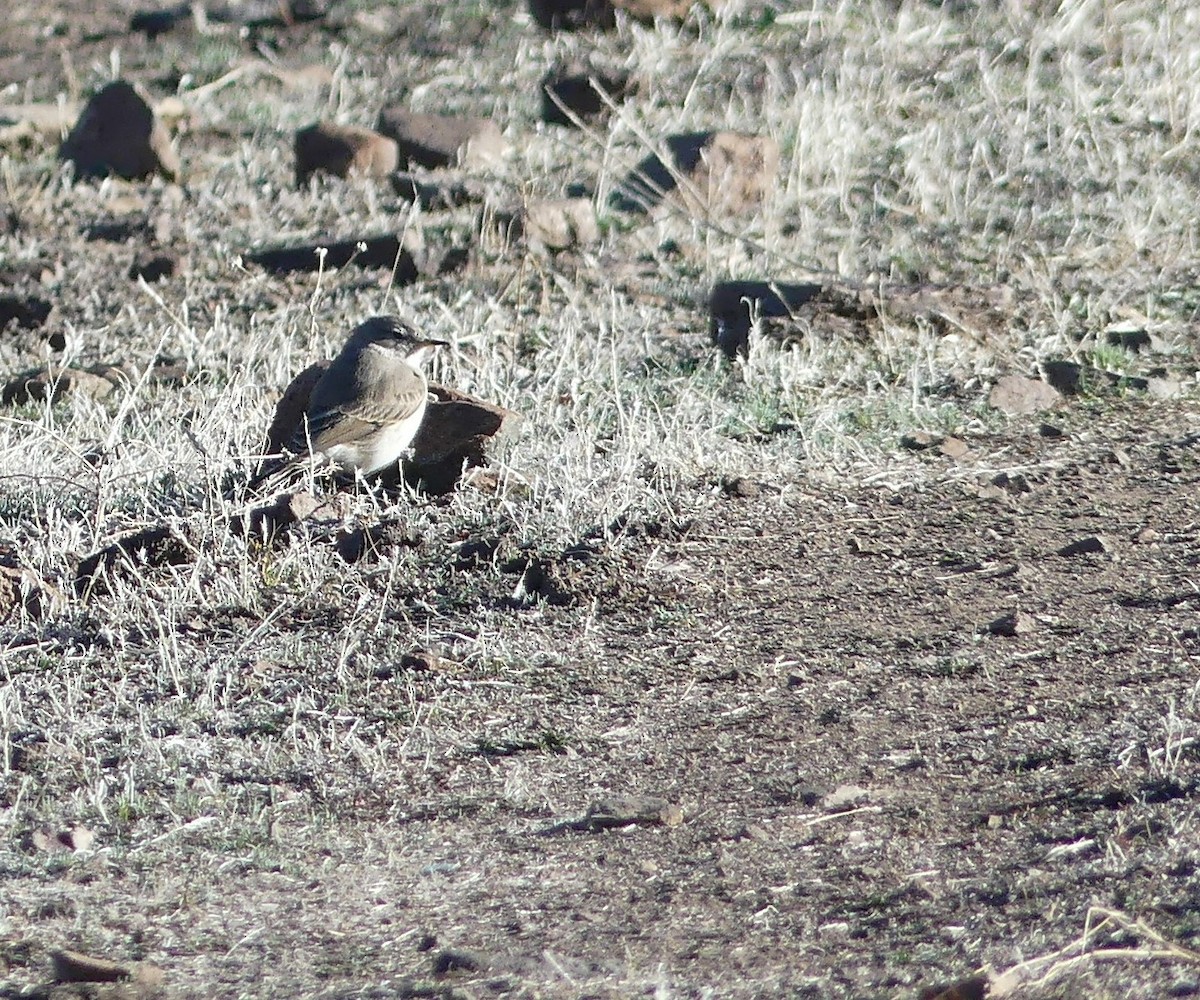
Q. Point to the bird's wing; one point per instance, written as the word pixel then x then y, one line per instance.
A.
pixel 344 410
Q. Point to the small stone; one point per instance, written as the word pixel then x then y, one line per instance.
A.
pixel 570 92
pixel 155 265
pixel 752 831
pixel 845 797
pixel 342 150
pixel 383 252
pixel 75 967
pixel 459 960
pixel 119 133
pixel 1086 546
pixel 436 193
pixel 420 661
pixel 953 447
pixel 711 172
pixel 995 822
pixel 24 591
pixel 576 15
pixel 733 304
pixel 648 11
pixel 920 440
pixel 1012 484
pixel 153 23
pixel 168 370
pixel 553 224
pixel 442 141
pixel 974 988
pixel 269 520
pixel 1012 624
pixel 573 15
pixel 1129 336
pixel 71 841
pixel 151 547
pixel 1017 395
pixel 381 539
pixel 741 487
pixel 1068 377
pixel 631 810
pixel 1073 379
pixel 54 382
pixel 260 13
pixel 1160 387
pixel 25 312
pixel 1051 431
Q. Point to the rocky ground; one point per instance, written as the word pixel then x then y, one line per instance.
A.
pixel 841 645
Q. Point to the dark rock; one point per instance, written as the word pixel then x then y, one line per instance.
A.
pixel 375 539
pixel 626 810
pixel 436 194
pixel 455 424
pixel 52 383
pixel 1071 379
pixel 551 224
pixel 267 13
pixel 1129 337
pixel 112 230
pixel 442 141
pixel 732 304
pixel 369 252
pixel 26 312
pixel 741 487
pixel 573 15
pixel 974 988
pixel 1013 624
pixel 155 265
pixel 572 89
pixel 150 547
pixel 268 520
pixel 342 150
pixel 1086 546
pixel 709 172
pixel 578 15
pixel 153 23
pixel 22 589
pixel 1017 395
pixel 118 133
pixel 920 441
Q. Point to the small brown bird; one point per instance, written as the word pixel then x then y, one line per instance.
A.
pixel 366 408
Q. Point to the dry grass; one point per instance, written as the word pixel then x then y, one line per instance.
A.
pixel 236 729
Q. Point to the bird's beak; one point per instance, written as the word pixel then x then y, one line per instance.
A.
pixel 424 348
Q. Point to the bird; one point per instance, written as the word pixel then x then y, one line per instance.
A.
pixel 366 408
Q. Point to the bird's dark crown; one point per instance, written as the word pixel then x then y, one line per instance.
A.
pixel 391 332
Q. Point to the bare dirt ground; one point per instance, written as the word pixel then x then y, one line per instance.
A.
pixel 903 715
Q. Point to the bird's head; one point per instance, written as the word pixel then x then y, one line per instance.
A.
pixel 392 334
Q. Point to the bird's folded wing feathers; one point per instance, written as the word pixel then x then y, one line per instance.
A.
pixel 348 412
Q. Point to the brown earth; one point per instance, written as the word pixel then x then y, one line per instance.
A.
pixel 908 737
pixel 879 792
